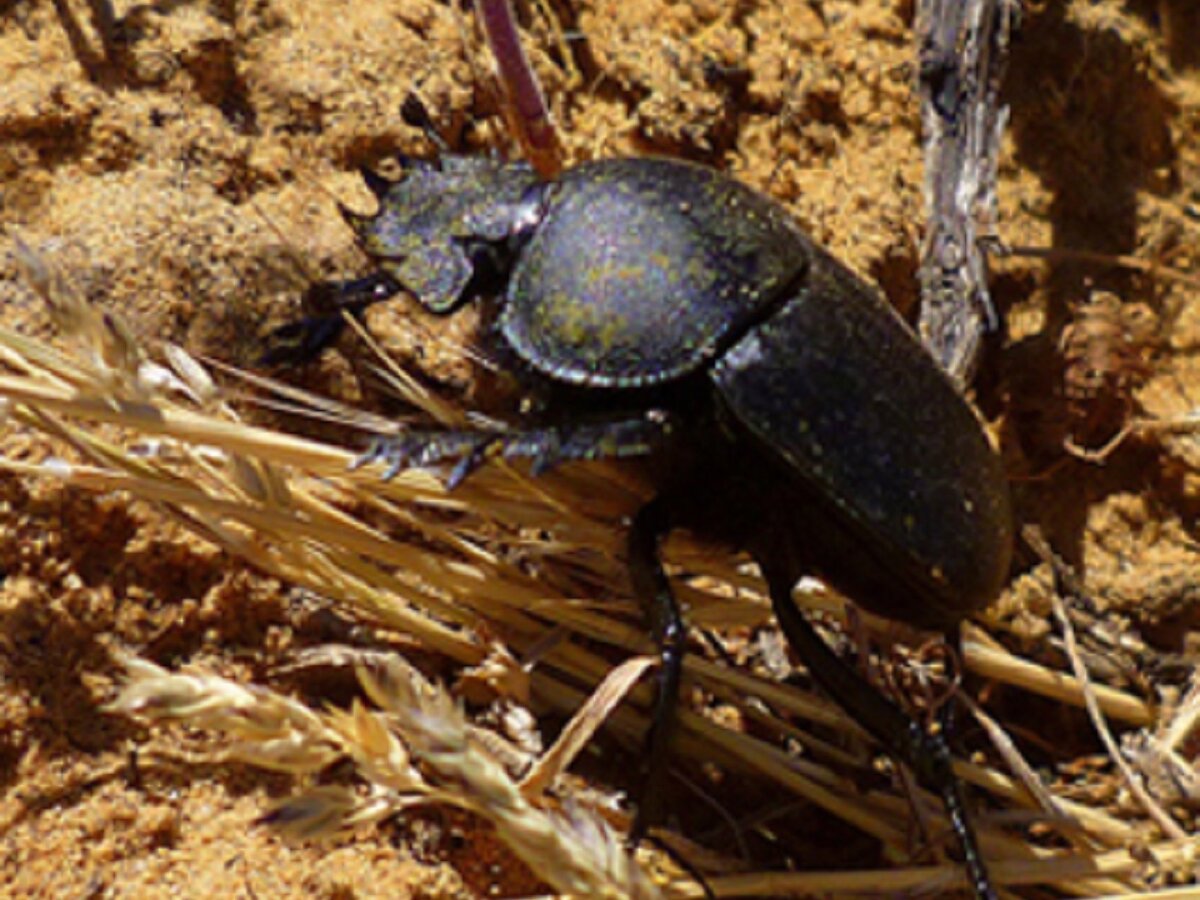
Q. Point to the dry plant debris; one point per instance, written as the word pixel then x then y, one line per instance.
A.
pixel 243 487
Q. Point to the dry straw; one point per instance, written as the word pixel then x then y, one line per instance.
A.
pixel 515 580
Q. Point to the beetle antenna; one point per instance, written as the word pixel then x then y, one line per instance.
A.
pixel 414 112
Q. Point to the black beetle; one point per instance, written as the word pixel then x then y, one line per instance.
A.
pixel 658 308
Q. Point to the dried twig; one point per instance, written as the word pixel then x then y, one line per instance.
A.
pixel 580 729
pixel 991 662
pixel 1008 751
pixel 1132 779
pixel 1169 826
pixel 963 53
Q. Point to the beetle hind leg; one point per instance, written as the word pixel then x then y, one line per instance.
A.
pixel 927 754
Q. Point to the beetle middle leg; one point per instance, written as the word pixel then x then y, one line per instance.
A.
pixel 665 621
pixel 927 754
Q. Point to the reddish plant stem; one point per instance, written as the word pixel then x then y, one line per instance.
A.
pixel 526 111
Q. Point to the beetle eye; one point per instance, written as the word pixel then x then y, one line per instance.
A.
pixel 529 211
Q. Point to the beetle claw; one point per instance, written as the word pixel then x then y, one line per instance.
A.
pixel 470 461
pixel 391 450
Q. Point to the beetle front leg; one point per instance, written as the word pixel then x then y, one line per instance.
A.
pixel 926 754
pixel 653 592
pixel 302 341
pixel 544 447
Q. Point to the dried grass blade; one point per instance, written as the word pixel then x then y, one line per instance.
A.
pixel 579 731
pixel 1170 827
pixel 999 665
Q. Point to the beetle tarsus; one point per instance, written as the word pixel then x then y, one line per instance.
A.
pixel 470 461
pixel 421 449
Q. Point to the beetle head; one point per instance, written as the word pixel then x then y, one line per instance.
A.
pixel 451 226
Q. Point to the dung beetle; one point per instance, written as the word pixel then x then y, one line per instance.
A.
pixel 660 309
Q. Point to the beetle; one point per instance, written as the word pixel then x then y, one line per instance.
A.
pixel 657 308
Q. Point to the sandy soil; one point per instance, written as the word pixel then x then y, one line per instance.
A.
pixel 186 172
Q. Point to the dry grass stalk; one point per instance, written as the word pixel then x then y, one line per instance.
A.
pixel 1132 779
pixel 989 662
pixel 1160 756
pixel 1134 782
pixel 575 851
pixel 1106 873
pixel 277 732
pixel 292 508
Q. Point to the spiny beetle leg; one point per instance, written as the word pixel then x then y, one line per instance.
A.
pixel 653 592
pixel 610 439
pixel 303 341
pixel 419 449
pixel 544 447
pixel 928 755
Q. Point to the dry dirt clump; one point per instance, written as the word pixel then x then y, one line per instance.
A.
pixel 182 165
